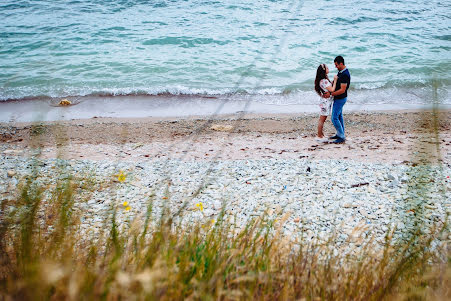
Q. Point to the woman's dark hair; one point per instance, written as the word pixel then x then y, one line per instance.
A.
pixel 320 74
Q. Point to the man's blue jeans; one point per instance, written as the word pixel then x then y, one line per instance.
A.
pixel 337 117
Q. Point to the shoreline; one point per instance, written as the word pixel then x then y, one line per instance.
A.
pixel 40 110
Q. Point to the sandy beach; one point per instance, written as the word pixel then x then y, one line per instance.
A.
pixel 385 136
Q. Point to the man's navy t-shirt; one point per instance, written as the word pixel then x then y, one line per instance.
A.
pixel 344 77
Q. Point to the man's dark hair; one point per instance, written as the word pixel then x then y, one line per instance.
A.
pixel 339 59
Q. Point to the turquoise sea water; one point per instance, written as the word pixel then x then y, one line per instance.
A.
pixel 397 51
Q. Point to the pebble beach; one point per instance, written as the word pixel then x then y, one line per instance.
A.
pixel 310 190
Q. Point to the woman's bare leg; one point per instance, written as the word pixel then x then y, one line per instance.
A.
pixel 321 121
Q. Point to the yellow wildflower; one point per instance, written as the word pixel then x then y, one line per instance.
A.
pixel 208 225
pixel 121 177
pixel 125 204
pixel 128 208
pixel 200 206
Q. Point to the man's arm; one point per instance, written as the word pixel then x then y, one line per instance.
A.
pixel 330 89
pixel 340 91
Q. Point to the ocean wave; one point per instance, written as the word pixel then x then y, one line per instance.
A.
pixel 24 93
pixel 178 90
pixel 184 41
pixel 268 95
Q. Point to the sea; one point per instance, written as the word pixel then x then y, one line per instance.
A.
pixel 261 50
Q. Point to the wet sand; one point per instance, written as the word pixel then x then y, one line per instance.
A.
pixel 389 137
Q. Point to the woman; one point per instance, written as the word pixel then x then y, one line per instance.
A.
pixel 323 85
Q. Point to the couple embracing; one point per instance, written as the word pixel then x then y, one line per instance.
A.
pixel 333 97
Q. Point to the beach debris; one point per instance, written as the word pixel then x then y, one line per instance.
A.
pixel 138 145
pixel 11 173
pixel 359 184
pixel 430 206
pixel 65 102
pixel 221 127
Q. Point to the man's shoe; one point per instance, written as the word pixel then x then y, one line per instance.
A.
pixel 334 137
pixel 339 141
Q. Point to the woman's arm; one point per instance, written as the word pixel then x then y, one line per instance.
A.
pixel 334 85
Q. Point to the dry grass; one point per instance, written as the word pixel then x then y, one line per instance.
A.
pixel 162 260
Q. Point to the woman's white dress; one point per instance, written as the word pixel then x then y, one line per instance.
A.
pixel 325 104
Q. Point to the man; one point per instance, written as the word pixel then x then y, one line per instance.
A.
pixel 340 96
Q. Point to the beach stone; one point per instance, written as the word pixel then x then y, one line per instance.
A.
pixel 380 211
pixel 404 179
pixel 217 205
pixel 11 173
pixel 12 152
pixel 363 212
pixel 392 177
pixel 401 226
pixel 371 189
pixel 208 212
pixel 393 184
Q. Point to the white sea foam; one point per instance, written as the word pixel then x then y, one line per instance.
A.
pixel 273 96
pixel 369 86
